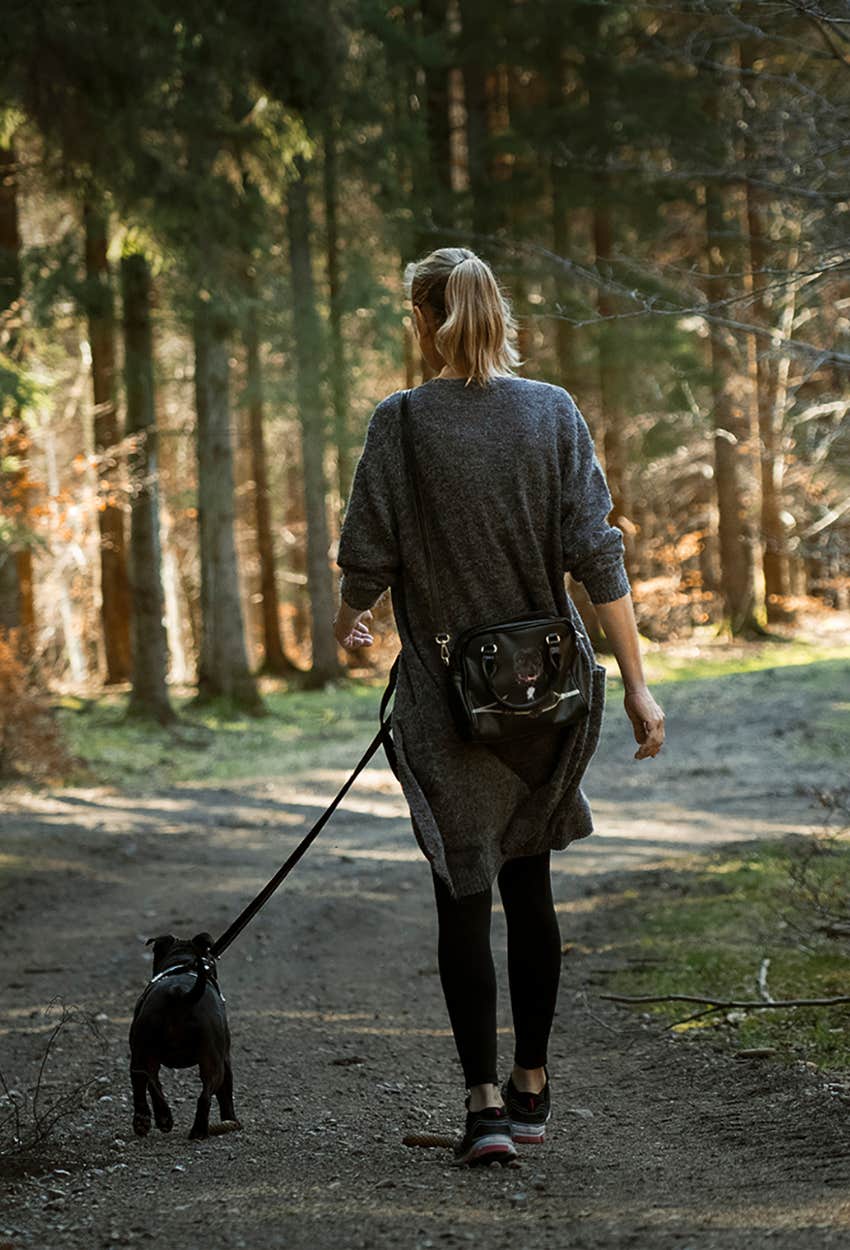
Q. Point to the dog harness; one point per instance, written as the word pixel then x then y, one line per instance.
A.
pixel 180 969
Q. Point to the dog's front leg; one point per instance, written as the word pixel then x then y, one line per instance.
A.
pixel 141 1110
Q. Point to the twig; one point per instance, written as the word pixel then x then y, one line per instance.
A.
pixel 31 1122
pixel 719 1004
pixel 62 1021
pixel 696 1015
pixel 597 1019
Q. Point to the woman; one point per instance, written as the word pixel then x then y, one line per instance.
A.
pixel 515 496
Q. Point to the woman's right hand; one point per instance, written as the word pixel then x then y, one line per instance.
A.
pixel 647 719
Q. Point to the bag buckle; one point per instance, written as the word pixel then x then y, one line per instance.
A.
pixel 489 648
pixel 553 639
pixel 442 641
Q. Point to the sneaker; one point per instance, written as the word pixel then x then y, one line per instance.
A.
pixel 528 1113
pixel 487 1139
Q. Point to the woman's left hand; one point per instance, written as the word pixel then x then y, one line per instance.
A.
pixel 351 628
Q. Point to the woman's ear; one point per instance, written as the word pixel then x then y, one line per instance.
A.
pixel 419 322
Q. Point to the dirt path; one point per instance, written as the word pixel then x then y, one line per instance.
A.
pixel 656 1140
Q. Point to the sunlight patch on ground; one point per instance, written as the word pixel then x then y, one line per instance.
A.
pixel 72 867
pixel 269 1204
pixel 410 855
pixel 749 1218
pixel 381 780
pixel 386 809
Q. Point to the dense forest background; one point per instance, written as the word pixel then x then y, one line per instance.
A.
pixel 206 211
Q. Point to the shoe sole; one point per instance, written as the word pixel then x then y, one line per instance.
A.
pixel 529 1134
pixel 488 1150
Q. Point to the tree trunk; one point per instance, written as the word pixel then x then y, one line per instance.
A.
pixel 729 393
pixel 71 631
pixel 612 383
pixel 149 695
pixel 440 199
pixel 173 533
pixel 339 387
pixel 563 207
pixel 611 380
pixel 223 666
pixel 475 56
pixel 274 658
pixel 17 610
pixel 774 549
pixel 308 354
pixel 114 582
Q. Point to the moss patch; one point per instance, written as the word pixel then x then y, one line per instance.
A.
pixel 706 930
pixel 303 731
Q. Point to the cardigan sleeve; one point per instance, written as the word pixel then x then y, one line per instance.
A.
pixel 593 549
pixel 368 543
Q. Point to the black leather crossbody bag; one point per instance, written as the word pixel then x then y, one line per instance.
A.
pixel 512 679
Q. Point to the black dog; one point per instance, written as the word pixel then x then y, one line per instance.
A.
pixel 180 1021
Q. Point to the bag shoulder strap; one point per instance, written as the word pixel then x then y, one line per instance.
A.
pixel 441 635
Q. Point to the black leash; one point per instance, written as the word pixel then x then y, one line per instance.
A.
pixel 382 738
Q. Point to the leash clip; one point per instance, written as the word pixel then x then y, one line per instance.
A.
pixel 442 641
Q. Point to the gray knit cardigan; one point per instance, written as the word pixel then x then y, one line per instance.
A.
pixel 515 496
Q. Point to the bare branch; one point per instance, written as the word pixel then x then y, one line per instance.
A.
pixel 722 1004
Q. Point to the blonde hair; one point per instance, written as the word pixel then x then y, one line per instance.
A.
pixel 476 332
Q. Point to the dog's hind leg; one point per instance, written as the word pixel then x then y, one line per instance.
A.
pixel 210 1070
pixel 161 1110
pixel 224 1094
pixel 141 1110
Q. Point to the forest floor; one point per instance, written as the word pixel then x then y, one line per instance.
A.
pixel 340 1039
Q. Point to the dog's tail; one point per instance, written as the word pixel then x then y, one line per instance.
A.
pixel 201 943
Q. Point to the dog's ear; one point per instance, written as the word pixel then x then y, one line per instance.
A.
pixel 202 942
pixel 161 945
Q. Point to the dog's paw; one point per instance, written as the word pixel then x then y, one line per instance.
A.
pixel 198 1133
pixel 165 1123
pixel 141 1125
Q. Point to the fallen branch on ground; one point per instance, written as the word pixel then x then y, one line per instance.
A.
pixel 25 1121
pixel 718 1004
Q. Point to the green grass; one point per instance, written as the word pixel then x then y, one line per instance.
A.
pixel 303 731
pixel 799 672
pixel 329 728
pixel 721 661
pixel 707 928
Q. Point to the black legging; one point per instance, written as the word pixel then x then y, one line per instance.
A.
pixel 469 978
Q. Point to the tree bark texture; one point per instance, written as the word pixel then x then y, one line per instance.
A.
pixel 274 658
pixel 308 353
pixel 114 580
pixel 17 605
pixel 149 695
pixel 730 400
pixel 774 547
pixel 339 387
pixel 440 198
pixel 223 668
pixel 612 386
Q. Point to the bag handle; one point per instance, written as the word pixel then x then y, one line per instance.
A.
pixel 441 635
